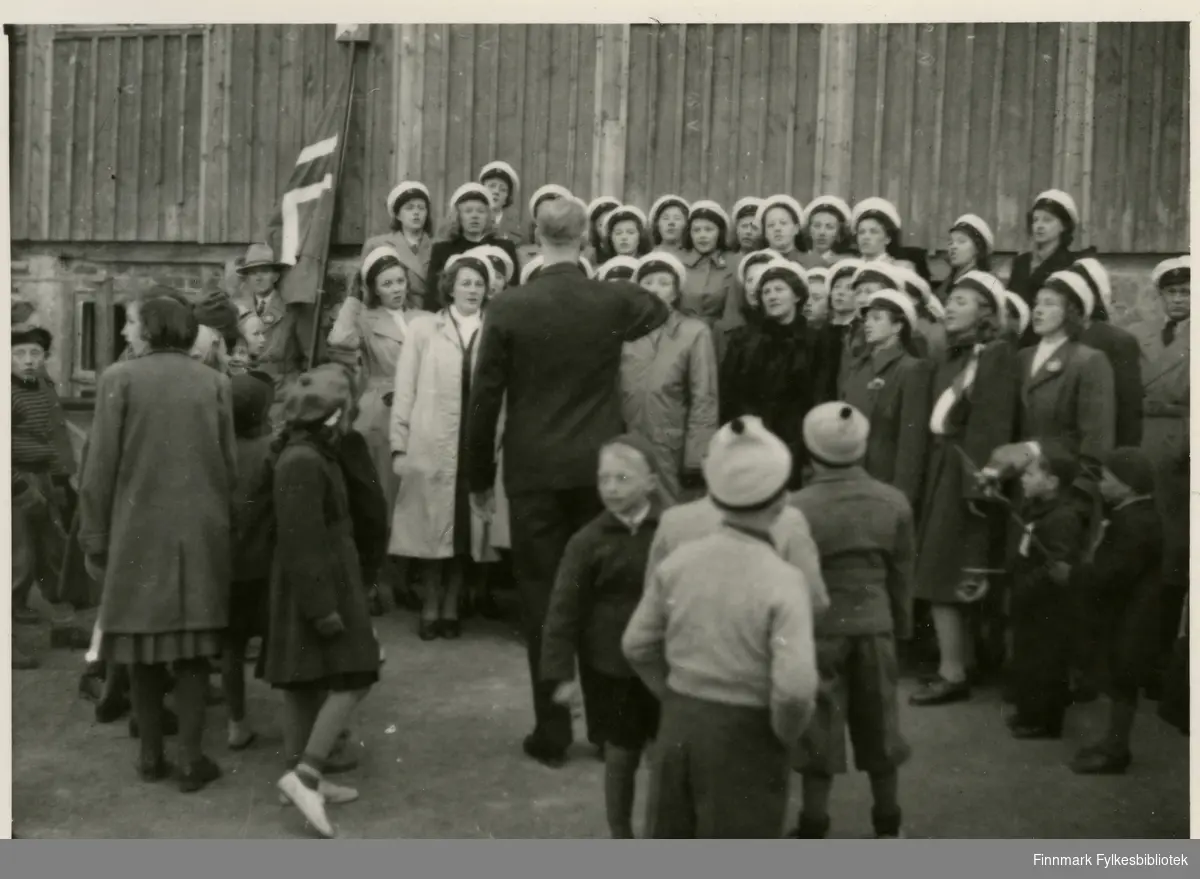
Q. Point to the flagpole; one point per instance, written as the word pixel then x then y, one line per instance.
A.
pixel 337 186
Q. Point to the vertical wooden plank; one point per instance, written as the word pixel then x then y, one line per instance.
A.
pixel 997 159
pixel 1060 109
pixel 409 104
pixel 381 149
pixel 183 107
pixel 789 158
pixel 821 134
pixel 20 138
pixel 87 214
pixel 939 121
pixel 522 85
pixel 864 109
pixel 1043 161
pixel 895 123
pixel 441 166
pixel 881 48
pixel 1125 224
pixel 1170 182
pixel 1012 171
pixel 1033 65
pixel 680 101
pixel 265 184
pixel 130 128
pixel 61 224
pixel 41 58
pixel 706 98
pixel 908 122
pixel 735 139
pixel 921 135
pixel 961 183
pixel 107 124
pixel 149 95
pixel 468 116
pixel 764 69
pixel 1182 229
pixel 289 129
pixel 652 112
pixel 611 95
pixel 841 73
pixel 494 131
pixel 573 105
pixel 1088 123
pixel 191 132
pixel 1149 239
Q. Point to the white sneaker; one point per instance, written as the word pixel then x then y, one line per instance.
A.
pixel 334 794
pixel 310 803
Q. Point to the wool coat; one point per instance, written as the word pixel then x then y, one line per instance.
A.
pixel 375 333
pixel 443 250
pixel 416 263
pixel 487 537
pixel 669 396
pixel 315 572
pixel 1124 356
pixel 1069 399
pixel 958 528
pixel 711 282
pixel 893 389
pixel 157 495
pixel 284 356
pixel 427 416
pixel 1025 280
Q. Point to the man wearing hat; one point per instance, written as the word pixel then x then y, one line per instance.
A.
pixel 1166 407
pixel 723 636
pixel 284 356
pixel 863 529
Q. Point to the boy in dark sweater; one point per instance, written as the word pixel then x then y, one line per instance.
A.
pixel 863 529
pixel 1120 586
pixel 598 587
pixel 1042 620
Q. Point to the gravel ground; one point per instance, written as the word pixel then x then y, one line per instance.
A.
pixel 440 750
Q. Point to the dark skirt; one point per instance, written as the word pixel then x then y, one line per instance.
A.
pixel 626 713
pixel 161 648
pixel 350 682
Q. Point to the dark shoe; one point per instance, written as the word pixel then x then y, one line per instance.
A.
pixel 886 824
pixel 1035 731
pixel 91 687
pixel 941 692
pixel 199 775
pixel 488 608
pixel 157 771
pixel 170 724
pixel 450 629
pixel 810 828
pixel 429 630
pixel 1100 761
pixel 340 763
pixel 547 756
pixel 112 710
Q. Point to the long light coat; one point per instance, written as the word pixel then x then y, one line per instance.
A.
pixel 669 396
pixel 427 412
pixel 1070 398
pixel 416 262
pixel 375 333
pixel 157 495
pixel 711 282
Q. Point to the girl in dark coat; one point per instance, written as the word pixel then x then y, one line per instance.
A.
pixel 471 225
pixel 742 307
pixel 769 366
pixel 322 650
pixel 833 339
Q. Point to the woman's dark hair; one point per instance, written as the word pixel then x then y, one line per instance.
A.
pixel 989 327
pixel 734 243
pixel 983 253
pixel 655 235
pixel 449 276
pixel 405 199
pixel 843 244
pixel 370 297
pixel 800 238
pixel 643 237
pixel 167 319
pixel 497 174
pixel 906 332
pixel 799 287
pixel 1053 207
pixel 595 239
pixel 894 245
pixel 722 231
pixel 654 268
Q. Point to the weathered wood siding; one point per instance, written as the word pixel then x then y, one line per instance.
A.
pixel 177 134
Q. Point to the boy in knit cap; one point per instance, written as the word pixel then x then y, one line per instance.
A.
pixel 598 586
pixel 723 636
pixel 863 529
pixel 1121 586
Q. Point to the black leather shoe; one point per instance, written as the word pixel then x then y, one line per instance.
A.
pixel 450 629
pixel 941 692
pixel 542 753
pixel 428 630
pixel 199 775
pixel 157 771
pixel 810 828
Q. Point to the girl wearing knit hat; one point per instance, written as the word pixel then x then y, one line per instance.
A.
pixel 767 369
pixel 781 219
pixel 471 225
pixel 1052 224
pixel 827 230
pixel 411 236
pixel 745 236
pixel 741 307
pixel 890 386
pixel 667 223
pixel 433 519
pixel 669 383
pixel 626 233
pixel 597 211
pixel 710 276
pixel 974 411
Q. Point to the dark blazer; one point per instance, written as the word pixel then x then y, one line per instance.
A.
pixel 1124 356
pixel 894 390
pixel 443 250
pixel 554 347
pixel 1070 399
pixel 1025 280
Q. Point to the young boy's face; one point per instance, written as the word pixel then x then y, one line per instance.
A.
pixel 625 480
pixel 27 361
pixel 1036 482
pixel 1112 489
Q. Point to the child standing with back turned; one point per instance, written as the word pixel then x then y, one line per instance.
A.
pixel 598 586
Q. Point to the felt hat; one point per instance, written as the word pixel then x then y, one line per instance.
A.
pixel 747 466
pixel 469 191
pixel 753 259
pixel 499 258
pixel 979 231
pixel 898 300
pixel 252 398
pixel 828 203
pixel 660 260
pixel 989 286
pixel 746 206
pixel 665 201
pixel 624 212
pixel 619 268
pixel 406 190
pixel 836 434
pixel 259 256
pixel 918 288
pixel 1058 202
pixel 1172 271
pixel 1132 466
pixel 638 443
pixel 709 210
pixel 316 395
pixel 383 251
pixel 1073 285
pixel 878 207
pixel 550 190
pixel 843 267
pixel 780 201
pixel 504 171
pixel 218 311
pixel 475 260
pixel 1017 303
pixel 1094 272
pixel 600 203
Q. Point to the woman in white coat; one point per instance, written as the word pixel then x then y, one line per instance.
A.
pixel 432 521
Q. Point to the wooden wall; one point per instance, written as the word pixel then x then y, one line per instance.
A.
pixel 188 134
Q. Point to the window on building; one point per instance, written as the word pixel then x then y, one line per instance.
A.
pixel 87 336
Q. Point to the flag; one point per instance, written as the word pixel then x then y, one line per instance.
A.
pixel 299 233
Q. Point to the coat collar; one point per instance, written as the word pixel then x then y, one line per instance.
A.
pixel 383 324
pixel 415 261
pixel 693 258
pixel 882 359
pixel 840 474
pixel 612 523
pixel 1054 367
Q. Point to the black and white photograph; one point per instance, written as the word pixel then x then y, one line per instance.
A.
pixel 657 430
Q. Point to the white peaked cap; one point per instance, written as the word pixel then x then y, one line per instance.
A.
pixel 989 285
pixel 491 169
pixel 1167 266
pixel 709 207
pixel 1061 199
pixel 779 201
pixel 1095 270
pixel 661 259
pixel 1021 308
pixel 490 270
pixel 376 255
pixel 403 189
pixel 876 205
pixel 828 203
pixel 550 190
pixel 978 226
pixel 1073 284
pixel 469 189
pixel 624 212
pixel 492 252
pixel 901 300
pixel 749 201
pixel 617 262
pixel 665 201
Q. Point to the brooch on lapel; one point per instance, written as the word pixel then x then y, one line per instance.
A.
pixel 875 384
pixel 1054 366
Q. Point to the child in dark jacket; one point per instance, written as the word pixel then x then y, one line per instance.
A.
pixel 1042 622
pixel 1120 586
pixel 863 529
pixel 598 587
